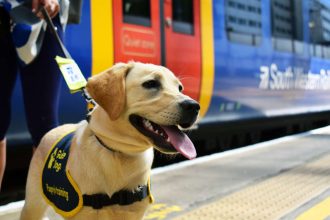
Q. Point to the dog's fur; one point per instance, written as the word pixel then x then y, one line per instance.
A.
pixel 119 92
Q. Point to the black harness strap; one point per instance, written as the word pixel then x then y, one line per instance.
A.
pixel 122 197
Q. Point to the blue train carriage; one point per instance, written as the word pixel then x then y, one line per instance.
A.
pixel 271 58
pixel 255 66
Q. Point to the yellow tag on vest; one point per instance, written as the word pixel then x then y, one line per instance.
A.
pixel 72 74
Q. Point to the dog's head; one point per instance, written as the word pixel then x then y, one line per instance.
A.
pixel 150 98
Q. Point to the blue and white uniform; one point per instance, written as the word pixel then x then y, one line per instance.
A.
pixel 28 49
pixel 28 30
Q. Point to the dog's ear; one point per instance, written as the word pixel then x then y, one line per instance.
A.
pixel 108 89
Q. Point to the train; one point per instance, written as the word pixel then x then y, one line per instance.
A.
pixel 259 69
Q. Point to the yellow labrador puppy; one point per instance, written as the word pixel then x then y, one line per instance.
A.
pixel 107 167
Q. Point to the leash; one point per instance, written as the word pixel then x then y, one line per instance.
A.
pixel 67 55
pixel 72 70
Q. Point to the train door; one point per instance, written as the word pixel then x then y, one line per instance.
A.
pixel 182 42
pixel 163 32
pixel 136 31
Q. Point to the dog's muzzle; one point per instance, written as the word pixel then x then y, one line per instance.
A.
pixel 169 138
pixel 189 112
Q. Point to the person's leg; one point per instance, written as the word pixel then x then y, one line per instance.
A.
pixel 8 74
pixel 41 86
pixel 2 159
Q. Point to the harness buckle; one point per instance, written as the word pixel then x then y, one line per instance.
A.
pixel 125 198
pixel 97 201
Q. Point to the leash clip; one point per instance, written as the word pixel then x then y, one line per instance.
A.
pixel 87 97
pixel 91 103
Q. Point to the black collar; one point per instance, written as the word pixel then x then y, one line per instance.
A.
pixel 122 197
pixel 104 145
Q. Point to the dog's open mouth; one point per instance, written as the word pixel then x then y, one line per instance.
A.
pixel 168 139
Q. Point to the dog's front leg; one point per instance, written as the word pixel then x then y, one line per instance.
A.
pixel 35 206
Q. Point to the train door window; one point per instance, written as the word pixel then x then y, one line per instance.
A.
pixel 287 29
pixel 137 12
pixel 243 21
pixel 182 16
pixel 182 43
pixel 319 26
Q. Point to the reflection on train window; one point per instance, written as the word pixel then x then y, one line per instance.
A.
pixel 287 28
pixel 319 25
pixel 243 21
pixel 183 16
pixel 137 12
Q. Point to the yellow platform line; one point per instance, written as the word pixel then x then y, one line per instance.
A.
pixel 319 212
pixel 160 211
pixel 272 198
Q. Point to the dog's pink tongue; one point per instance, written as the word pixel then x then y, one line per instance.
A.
pixel 180 142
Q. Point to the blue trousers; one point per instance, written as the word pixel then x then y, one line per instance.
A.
pixel 40 82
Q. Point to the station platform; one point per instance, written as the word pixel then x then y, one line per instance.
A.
pixel 286 178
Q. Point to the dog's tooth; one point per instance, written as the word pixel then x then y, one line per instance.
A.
pixel 168 139
pixel 145 121
pixel 147 124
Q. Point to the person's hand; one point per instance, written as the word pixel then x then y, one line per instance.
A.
pixel 51 6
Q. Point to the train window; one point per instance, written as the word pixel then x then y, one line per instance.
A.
pixel 319 25
pixel 282 17
pixel 243 21
pixel 287 28
pixel 137 12
pixel 183 16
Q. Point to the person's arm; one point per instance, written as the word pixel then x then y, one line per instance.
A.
pixel 51 6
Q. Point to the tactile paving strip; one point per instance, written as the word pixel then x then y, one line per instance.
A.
pixel 269 199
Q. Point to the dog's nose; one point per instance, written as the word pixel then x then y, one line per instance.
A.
pixel 190 106
pixel 189 109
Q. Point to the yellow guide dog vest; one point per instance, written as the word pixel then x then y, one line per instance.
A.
pixel 59 189
pixel 62 193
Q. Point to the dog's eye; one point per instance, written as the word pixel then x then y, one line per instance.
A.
pixel 151 84
pixel 180 88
